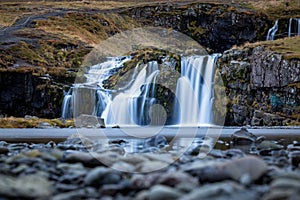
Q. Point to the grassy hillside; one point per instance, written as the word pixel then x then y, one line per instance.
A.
pixel 10 11
pixel 288 47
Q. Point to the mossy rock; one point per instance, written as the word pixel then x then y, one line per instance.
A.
pixel 139 59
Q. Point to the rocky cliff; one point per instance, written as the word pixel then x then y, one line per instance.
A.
pixel 263 87
pixel 217 27
pixel 25 93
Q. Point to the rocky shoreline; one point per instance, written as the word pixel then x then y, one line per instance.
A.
pixel 246 167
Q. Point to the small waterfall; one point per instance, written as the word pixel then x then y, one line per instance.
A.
pixel 135 103
pixel 195 91
pixel 272 31
pixel 67 112
pixel 129 107
pixel 294 27
pixel 290 27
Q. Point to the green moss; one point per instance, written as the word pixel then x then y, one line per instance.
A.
pixel 12 122
pixel 195 30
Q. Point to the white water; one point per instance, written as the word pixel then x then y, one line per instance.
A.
pixel 67 106
pixel 272 31
pixel 195 91
pixel 125 108
pixel 294 27
pixel 130 105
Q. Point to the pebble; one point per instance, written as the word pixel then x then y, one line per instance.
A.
pixel 294 157
pixel 246 169
pixel 102 175
pixel 284 186
pixel 31 186
pixel 243 136
pixel 222 190
pixel 3 150
pixel 269 145
pixel 161 192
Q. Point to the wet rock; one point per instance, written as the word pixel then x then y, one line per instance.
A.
pixel 157 141
pixel 89 121
pixel 82 157
pixel 234 153
pixel 114 189
pixel 221 191
pixel 25 187
pixel 44 125
pixel 67 166
pixel 62 187
pixel 151 166
pixel 84 193
pixel 3 150
pixel 294 157
pixel 267 144
pixel 100 176
pixel 174 178
pixel 17 146
pixel 211 174
pixel 123 166
pixel 76 142
pixel 293 147
pixel 33 153
pixel 161 192
pixel 284 186
pixel 134 159
pixel 163 157
pixel 243 136
pixel 240 112
pixel 245 170
pixel 272 119
pixel 72 177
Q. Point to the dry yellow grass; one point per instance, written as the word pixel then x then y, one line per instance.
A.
pixel 289 47
pixel 10 11
pixel 86 28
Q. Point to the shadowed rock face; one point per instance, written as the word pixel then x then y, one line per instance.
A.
pixel 25 94
pixel 262 86
pixel 217 27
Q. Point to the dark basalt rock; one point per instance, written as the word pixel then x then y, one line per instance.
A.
pixel 243 136
pixel 217 27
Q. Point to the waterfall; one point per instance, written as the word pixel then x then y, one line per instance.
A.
pixel 195 91
pixel 290 27
pixel 272 31
pixel 294 28
pixel 67 106
pixel 131 105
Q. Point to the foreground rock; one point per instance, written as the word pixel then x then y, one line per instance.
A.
pixel 79 168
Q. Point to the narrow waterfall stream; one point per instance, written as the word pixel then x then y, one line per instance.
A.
pixel 272 31
pixel 130 106
pixel 294 27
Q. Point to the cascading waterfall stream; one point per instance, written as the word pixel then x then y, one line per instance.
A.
pixel 272 31
pixel 127 108
pixel 130 106
pixel 67 106
pixel 294 27
pixel 195 91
